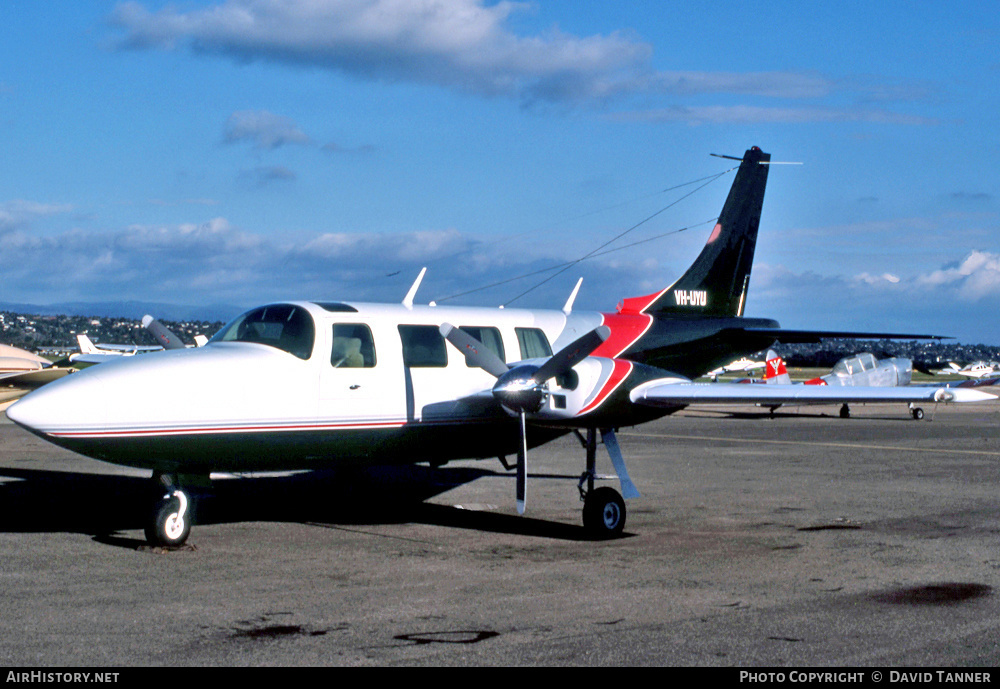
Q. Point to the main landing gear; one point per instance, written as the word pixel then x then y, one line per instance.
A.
pixel 168 524
pixel 916 412
pixel 604 508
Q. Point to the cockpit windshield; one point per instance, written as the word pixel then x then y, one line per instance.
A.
pixel 287 327
pixel 855 364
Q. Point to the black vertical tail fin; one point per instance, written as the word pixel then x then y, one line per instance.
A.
pixel 716 283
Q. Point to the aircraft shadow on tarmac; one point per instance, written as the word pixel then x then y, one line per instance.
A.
pixel 103 505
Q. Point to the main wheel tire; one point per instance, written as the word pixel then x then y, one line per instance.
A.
pixel 917 413
pixel 170 521
pixel 604 513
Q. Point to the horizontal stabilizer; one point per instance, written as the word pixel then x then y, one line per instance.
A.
pixel 814 336
pixel 666 394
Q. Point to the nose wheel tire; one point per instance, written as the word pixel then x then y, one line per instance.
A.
pixel 170 522
pixel 604 513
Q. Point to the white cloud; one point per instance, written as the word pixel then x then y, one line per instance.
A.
pixel 748 114
pixel 885 278
pixel 948 301
pixel 461 44
pixel 215 262
pixel 976 277
pixel 20 213
pixel 469 46
pixel 262 128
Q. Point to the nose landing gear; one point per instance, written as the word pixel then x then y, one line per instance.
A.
pixel 168 524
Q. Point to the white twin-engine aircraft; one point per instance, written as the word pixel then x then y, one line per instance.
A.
pixel 305 385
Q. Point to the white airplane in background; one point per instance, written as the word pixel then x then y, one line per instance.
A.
pixel 94 354
pixel 743 364
pixel 951 369
pixel 978 369
pixel 859 370
pixel 21 371
pixel 314 384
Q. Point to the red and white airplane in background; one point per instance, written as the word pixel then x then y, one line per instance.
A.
pixel 312 384
pixel 858 371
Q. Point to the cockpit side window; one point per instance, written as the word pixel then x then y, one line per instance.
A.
pixel 284 326
pixel 353 346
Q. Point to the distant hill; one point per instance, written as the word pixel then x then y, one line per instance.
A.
pixel 130 309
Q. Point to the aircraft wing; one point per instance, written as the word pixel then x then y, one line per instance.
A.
pixel 32 378
pixel 670 394
pixel 94 357
pixel 129 348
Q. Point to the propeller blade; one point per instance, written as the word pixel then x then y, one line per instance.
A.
pixel 572 354
pixel 522 466
pixel 475 352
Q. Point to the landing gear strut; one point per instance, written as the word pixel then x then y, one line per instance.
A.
pixel 604 508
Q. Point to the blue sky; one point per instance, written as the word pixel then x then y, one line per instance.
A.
pixel 243 151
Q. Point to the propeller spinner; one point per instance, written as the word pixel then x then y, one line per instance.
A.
pixel 521 388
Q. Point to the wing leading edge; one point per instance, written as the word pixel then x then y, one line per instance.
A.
pixel 670 392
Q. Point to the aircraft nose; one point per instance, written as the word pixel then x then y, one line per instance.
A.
pixel 67 404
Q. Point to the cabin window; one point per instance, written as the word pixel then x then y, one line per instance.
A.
pixel 423 346
pixel 353 346
pixel 490 337
pixel 533 343
pixel 283 326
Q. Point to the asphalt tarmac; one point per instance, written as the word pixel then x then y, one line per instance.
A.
pixel 798 540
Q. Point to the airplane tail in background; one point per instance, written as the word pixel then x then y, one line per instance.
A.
pixel 716 283
pixel 86 346
pixel 775 372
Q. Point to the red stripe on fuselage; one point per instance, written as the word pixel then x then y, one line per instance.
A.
pixel 209 430
pixel 638 305
pixel 626 330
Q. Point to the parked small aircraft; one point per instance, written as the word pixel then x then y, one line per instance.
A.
pixel 742 364
pixel 305 385
pixel 93 354
pixel 860 370
pixel 21 371
pixel 977 369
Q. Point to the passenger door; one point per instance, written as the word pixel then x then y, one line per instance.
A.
pixel 353 385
